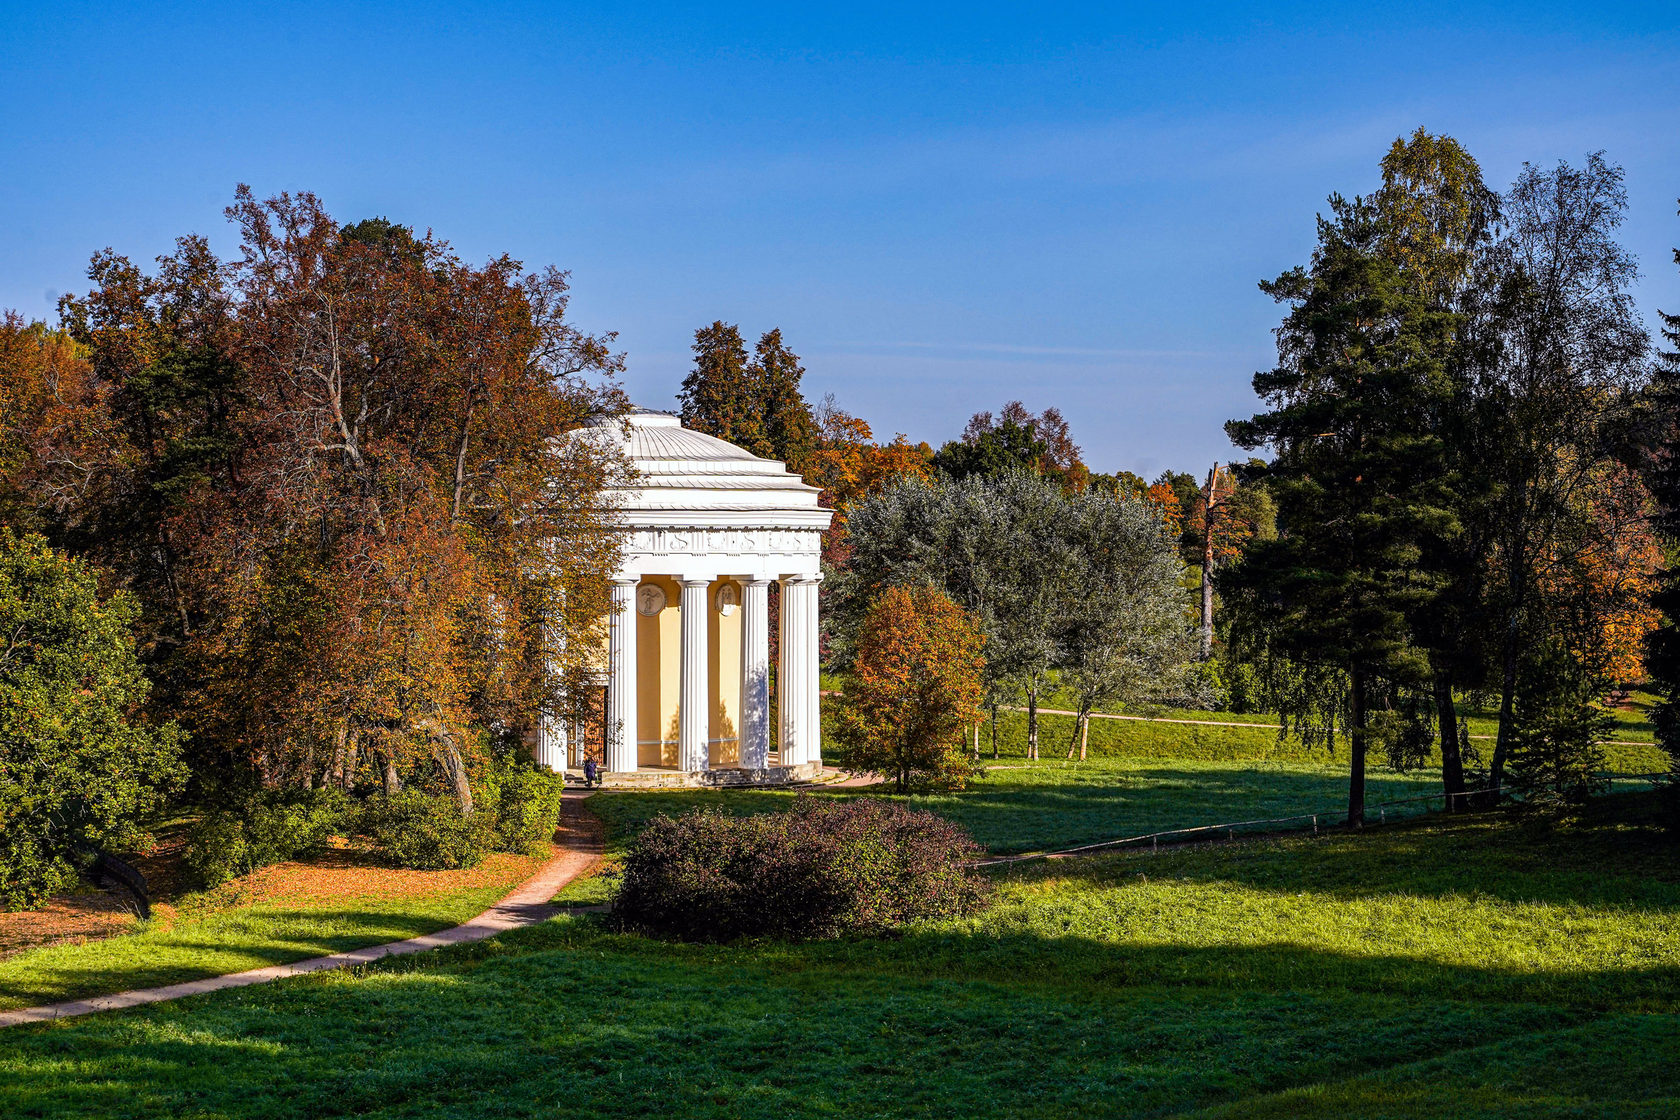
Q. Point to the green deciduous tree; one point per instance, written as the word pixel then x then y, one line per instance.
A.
pixel 1122 635
pixel 1027 559
pixel 77 770
pixel 1555 407
pixel 1016 440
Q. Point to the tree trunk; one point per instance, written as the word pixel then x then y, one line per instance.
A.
pixel 461 462
pixel 994 731
pixel 455 773
pixel 1516 583
pixel 1356 772
pixel 1207 564
pixel 1084 734
pixel 1032 720
pixel 1509 656
pixel 393 783
pixel 340 762
pixel 1452 763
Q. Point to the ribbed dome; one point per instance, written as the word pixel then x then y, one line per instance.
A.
pixel 661 436
pixel 685 477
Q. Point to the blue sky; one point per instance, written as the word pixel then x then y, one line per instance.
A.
pixel 942 207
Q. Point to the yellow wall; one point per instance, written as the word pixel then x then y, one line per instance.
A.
pixel 659 678
pixel 723 643
pixel 658 665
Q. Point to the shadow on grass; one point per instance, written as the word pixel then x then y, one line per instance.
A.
pixel 565 1017
pixel 142 962
pixel 1054 805
pixel 1620 1065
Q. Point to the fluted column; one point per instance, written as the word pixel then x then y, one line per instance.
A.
pixel 755 674
pixel 621 678
pixel 693 711
pixel 552 743
pixel 811 742
pixel 800 730
pixel 551 729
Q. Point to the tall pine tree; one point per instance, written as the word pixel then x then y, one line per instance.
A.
pixel 1438 217
pixel 788 430
pixel 718 395
pixel 1356 477
pixel 1662 658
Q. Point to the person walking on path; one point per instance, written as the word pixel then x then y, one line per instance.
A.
pixel 590 772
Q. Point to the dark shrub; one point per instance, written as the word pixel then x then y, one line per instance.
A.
pixel 427 831
pixel 269 826
pixel 525 802
pixel 822 869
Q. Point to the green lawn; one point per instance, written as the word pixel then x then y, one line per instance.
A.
pixel 215 934
pixel 1023 807
pixel 1633 750
pixel 1472 967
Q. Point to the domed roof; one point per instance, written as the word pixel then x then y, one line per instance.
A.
pixel 684 477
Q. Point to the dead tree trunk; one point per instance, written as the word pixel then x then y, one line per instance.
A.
pixel 1032 720
pixel 1208 506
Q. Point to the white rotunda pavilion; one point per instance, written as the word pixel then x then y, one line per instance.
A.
pixel 709 527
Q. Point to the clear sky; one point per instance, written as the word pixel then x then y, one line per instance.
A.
pixel 942 207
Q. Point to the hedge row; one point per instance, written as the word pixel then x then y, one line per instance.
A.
pixel 518 810
pixel 1116 738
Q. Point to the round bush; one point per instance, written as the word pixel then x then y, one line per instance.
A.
pixel 427 832
pixel 271 826
pixel 525 802
pixel 822 869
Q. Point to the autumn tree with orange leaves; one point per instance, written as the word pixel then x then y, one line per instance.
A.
pixel 915 690
pixel 329 470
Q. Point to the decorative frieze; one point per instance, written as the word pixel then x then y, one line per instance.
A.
pixel 726 542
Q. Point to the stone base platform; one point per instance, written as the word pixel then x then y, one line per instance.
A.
pixel 723 777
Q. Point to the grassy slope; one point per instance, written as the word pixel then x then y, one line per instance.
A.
pixel 1633 750
pixel 211 935
pixel 1465 967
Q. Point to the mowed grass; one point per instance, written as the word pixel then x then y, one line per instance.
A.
pixel 1230 737
pixel 282 914
pixel 1019 806
pixel 1480 966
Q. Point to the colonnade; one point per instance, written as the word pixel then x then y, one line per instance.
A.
pixel 800 730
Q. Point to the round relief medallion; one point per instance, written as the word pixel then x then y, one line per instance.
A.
pixel 728 598
pixel 650 599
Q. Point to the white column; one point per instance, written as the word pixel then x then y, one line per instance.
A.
pixel 552 743
pixel 693 712
pixel 787 676
pixel 621 678
pixel 811 740
pixel 551 729
pixel 800 729
pixel 813 670
pixel 755 674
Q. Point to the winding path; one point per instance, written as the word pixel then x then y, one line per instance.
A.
pixel 580 837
